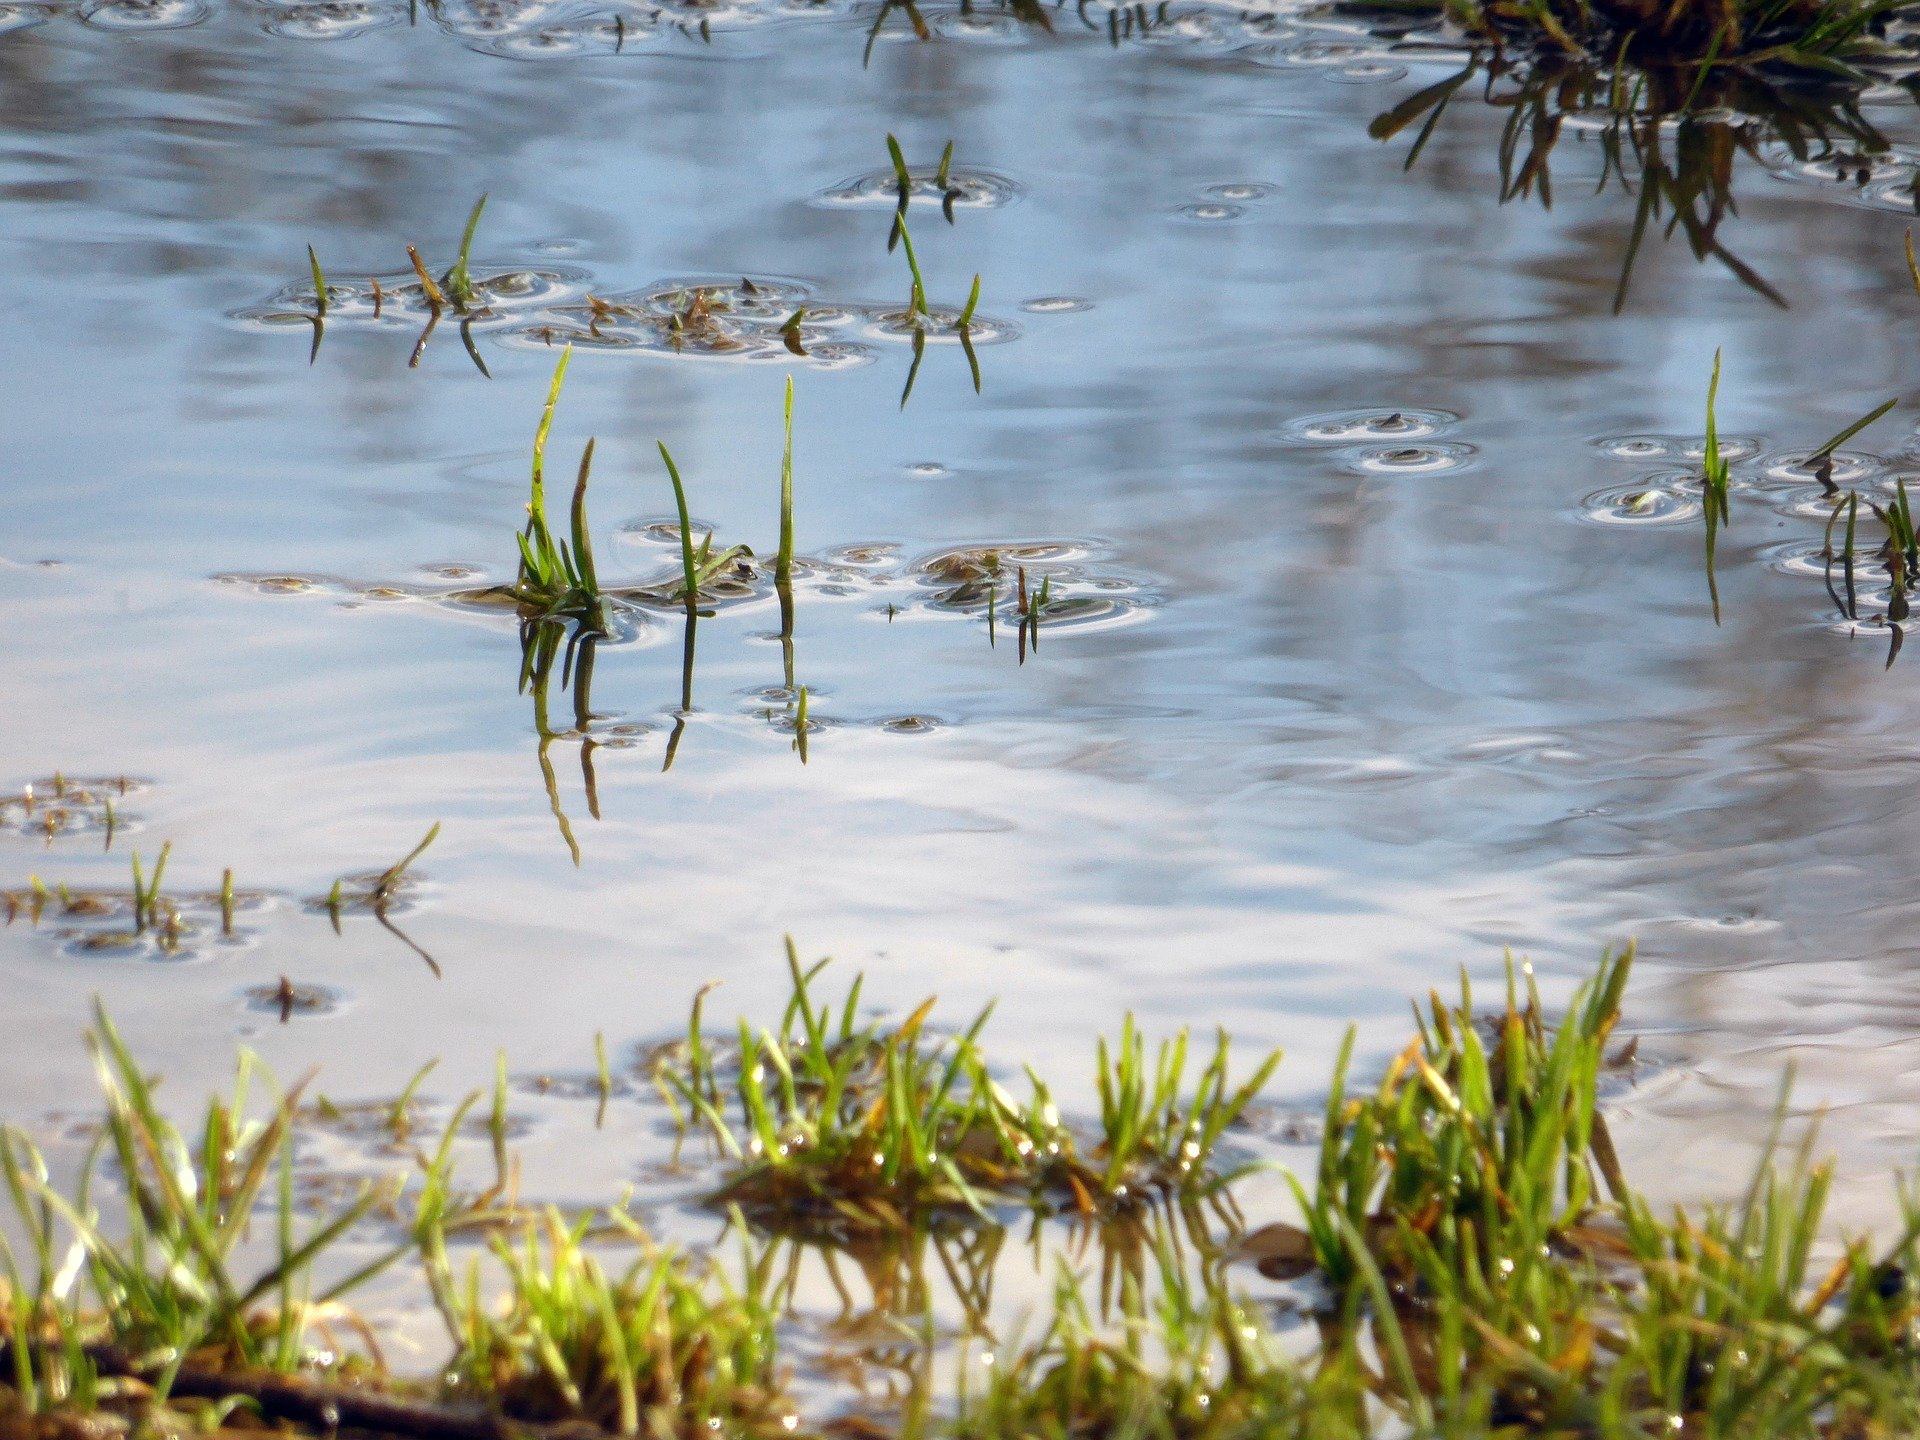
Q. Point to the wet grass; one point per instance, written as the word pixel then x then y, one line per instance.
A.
pixel 61 804
pixel 663 1347
pixel 1849 512
pixel 168 1283
pixel 918 315
pixel 1682 42
pixel 377 893
pixel 557 579
pixel 1470 1255
pixel 1715 482
pixel 456 289
pixel 830 1122
pixel 151 913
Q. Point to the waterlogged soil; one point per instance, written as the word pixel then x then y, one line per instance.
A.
pixel 1376 637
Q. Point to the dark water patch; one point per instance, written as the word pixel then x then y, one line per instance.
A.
pixel 22 17
pixel 1662 141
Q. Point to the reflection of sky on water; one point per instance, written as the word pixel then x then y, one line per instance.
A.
pixel 1384 719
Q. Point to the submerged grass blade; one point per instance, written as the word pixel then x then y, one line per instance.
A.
pixel 783 561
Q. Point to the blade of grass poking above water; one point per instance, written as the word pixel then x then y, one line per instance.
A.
pixel 917 302
pixel 458 279
pixel 1852 430
pixel 319 283
pixel 686 525
pixel 390 878
pixel 582 538
pixel 1714 492
pixel 435 300
pixel 900 172
pixel 538 556
pixel 973 300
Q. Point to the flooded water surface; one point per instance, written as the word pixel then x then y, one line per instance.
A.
pixel 1357 509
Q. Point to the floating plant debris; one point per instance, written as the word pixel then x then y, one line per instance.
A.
pixel 146 921
pixel 546 307
pixel 1349 427
pixel 1411 459
pixel 288 1000
pixel 59 805
pixel 1655 501
pixel 1403 441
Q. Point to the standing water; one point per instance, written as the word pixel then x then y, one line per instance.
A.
pixel 1362 491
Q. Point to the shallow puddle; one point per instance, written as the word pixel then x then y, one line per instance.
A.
pixel 1300 596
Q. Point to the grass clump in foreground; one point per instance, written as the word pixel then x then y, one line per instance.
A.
pixel 834 1124
pixel 1475 1260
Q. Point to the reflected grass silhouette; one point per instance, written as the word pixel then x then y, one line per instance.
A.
pixel 1672 139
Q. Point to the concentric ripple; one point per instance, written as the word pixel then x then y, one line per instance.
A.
pixel 504 295
pixel 1641 504
pixel 144 14
pixel 1008 580
pixel 329 20
pixel 1347 427
pixel 21 17
pixel 1733 448
pixel 1848 467
pixel 940 325
pixel 1210 212
pixel 1428 459
pixel 969 189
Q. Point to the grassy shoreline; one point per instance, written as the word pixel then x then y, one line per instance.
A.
pixel 1468 1251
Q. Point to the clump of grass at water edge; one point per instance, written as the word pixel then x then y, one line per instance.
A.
pixel 1472 1257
